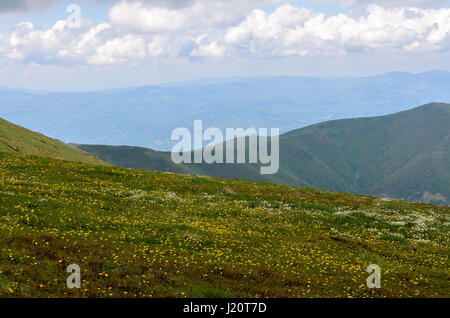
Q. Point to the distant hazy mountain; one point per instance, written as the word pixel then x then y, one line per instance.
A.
pixel 17 140
pixel 405 155
pixel 146 116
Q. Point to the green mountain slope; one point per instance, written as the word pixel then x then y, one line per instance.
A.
pixel 18 140
pixel 405 155
pixel 137 233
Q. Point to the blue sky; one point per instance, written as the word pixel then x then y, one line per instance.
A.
pixel 141 42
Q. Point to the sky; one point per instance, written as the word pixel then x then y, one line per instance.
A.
pixel 100 44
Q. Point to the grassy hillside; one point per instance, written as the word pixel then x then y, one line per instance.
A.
pixel 144 158
pixel 18 140
pixel 135 157
pixel 137 233
pixel 405 155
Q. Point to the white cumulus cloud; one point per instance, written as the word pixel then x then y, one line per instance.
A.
pixel 138 17
pixel 163 16
pixel 86 42
pixel 139 31
pixel 129 48
pixel 295 31
pixel 210 50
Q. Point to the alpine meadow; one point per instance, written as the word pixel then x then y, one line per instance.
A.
pixel 138 233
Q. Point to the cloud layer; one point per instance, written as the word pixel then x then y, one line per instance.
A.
pixel 142 31
pixel 298 31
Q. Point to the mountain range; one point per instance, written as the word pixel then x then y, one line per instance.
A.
pixel 405 155
pixel 146 116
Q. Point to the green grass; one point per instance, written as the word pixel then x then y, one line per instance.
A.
pixel 18 140
pixel 138 233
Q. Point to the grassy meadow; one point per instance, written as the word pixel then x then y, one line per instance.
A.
pixel 18 140
pixel 138 233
